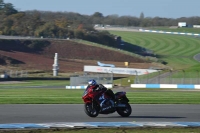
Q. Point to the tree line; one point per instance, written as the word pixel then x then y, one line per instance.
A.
pixel 73 25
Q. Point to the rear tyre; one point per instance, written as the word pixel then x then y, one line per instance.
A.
pixel 91 111
pixel 125 111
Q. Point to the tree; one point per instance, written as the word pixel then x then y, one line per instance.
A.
pixel 62 23
pixel 1 4
pixel 97 14
pixel 79 34
pixel 141 15
pixel 49 29
pixel 8 9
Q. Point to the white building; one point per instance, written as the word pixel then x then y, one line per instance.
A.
pixel 196 26
pixel 182 24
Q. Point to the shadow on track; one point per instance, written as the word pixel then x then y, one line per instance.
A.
pixel 150 117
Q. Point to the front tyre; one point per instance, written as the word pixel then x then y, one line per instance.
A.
pixel 90 110
pixel 124 111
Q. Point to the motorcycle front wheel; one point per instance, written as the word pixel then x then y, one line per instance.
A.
pixel 124 111
pixel 90 110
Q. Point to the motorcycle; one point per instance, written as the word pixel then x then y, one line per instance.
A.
pixel 93 104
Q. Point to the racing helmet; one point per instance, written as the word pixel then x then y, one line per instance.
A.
pixel 92 82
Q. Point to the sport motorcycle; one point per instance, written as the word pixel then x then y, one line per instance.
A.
pixel 93 103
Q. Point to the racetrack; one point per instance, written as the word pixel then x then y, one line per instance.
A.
pixel 47 113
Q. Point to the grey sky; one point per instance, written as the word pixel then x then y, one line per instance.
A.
pixel 150 8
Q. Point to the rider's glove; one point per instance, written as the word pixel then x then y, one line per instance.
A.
pixel 97 89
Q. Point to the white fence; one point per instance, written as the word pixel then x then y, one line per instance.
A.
pixel 13 73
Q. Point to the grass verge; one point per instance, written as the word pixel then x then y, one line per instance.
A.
pixel 176 50
pixel 64 96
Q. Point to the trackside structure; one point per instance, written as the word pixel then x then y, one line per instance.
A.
pixel 55 65
pixel 118 70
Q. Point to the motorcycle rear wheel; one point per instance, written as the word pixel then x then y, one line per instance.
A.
pixel 124 111
pixel 91 111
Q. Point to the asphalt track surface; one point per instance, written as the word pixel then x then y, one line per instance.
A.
pixel 52 113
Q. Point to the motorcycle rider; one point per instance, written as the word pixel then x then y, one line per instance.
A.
pixel 100 87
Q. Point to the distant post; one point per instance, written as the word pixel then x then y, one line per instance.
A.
pixel 55 65
pixel 126 64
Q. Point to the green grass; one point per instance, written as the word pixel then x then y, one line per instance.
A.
pixel 126 81
pixel 36 83
pixel 176 50
pixel 64 96
pixel 21 93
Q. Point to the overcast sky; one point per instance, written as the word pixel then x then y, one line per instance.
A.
pixel 150 8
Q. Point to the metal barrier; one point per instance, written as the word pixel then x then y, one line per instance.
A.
pixel 13 73
pixel 76 80
pixel 169 77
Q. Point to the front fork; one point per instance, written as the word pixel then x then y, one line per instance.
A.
pixel 95 104
pixel 92 103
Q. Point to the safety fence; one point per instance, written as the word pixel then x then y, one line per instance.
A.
pixel 169 77
pixel 13 73
pixel 76 80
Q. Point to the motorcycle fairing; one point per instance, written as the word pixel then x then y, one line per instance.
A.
pixel 119 95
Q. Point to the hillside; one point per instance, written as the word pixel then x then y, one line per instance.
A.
pixel 176 51
pixel 39 55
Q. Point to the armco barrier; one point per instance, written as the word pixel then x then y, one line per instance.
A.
pixel 178 86
pixel 84 86
pixel 98 125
